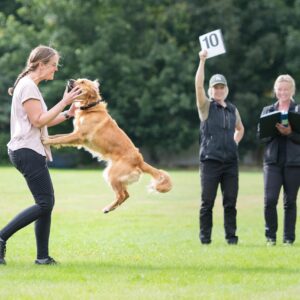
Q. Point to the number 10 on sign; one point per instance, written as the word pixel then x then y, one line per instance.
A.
pixel 213 43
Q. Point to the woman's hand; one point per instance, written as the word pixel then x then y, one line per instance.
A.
pixel 284 130
pixel 203 54
pixel 69 97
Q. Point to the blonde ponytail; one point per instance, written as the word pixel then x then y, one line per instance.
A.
pixel 21 75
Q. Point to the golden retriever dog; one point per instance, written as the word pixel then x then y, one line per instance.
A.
pixel 97 132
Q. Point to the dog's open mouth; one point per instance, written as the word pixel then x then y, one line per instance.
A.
pixel 70 84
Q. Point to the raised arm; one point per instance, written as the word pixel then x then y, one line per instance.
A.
pixel 199 80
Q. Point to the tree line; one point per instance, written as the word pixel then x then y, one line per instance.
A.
pixel 145 54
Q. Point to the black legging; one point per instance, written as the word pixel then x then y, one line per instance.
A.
pixel 34 168
pixel 275 177
pixel 214 173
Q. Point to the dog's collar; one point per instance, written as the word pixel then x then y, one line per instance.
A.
pixel 90 105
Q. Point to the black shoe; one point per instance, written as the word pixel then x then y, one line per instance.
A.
pixel 288 243
pixel 271 242
pixel 45 261
pixel 233 241
pixel 205 242
pixel 2 252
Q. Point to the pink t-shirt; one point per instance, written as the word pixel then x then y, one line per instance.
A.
pixel 22 133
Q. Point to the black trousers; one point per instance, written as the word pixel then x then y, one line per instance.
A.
pixel 275 177
pixel 34 168
pixel 214 173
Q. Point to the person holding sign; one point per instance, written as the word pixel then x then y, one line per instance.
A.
pixel 281 164
pixel 221 131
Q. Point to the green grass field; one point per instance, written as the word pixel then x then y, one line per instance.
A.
pixel 146 249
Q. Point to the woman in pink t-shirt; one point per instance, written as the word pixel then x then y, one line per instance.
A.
pixel 29 121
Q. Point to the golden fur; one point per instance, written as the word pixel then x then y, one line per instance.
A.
pixel 97 132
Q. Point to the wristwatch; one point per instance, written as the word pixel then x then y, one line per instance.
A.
pixel 66 115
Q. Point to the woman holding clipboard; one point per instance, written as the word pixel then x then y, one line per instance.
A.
pixel 281 164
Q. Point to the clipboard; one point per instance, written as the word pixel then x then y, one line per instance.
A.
pixel 267 123
pixel 294 120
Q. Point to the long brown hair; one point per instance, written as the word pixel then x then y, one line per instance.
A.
pixel 39 54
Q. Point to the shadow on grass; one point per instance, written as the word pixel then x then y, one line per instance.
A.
pixel 92 267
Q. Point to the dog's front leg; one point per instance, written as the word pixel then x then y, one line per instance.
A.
pixel 72 139
pixel 57 135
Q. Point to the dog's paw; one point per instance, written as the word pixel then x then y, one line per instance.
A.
pixel 45 141
pixel 105 210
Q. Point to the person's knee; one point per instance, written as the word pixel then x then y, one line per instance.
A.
pixel 290 205
pixel 229 206
pixel 270 202
pixel 46 203
pixel 207 205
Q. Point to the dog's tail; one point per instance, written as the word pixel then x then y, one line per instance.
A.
pixel 161 180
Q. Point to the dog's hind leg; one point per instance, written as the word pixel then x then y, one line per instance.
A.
pixel 121 196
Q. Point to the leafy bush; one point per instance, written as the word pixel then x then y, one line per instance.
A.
pixel 4 138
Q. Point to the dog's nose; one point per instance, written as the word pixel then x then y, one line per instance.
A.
pixel 70 84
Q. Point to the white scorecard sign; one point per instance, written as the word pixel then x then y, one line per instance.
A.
pixel 213 43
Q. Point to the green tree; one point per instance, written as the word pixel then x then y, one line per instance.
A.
pixel 145 55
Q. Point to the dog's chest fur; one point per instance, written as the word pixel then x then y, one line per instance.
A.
pixel 89 124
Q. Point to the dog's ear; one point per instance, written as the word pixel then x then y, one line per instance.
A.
pixel 96 84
